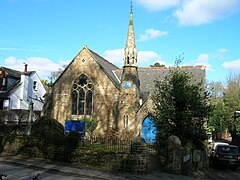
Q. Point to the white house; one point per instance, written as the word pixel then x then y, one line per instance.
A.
pixel 20 89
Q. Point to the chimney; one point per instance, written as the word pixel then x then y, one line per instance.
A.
pixel 25 68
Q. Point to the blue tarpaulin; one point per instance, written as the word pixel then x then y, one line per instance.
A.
pixel 76 126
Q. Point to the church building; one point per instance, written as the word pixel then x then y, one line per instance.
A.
pixel 118 98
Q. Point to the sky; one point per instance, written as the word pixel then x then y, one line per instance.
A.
pixel 48 34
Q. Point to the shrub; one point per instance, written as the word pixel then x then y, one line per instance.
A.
pixel 48 131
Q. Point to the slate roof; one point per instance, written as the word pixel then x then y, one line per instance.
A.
pixel 11 73
pixel 148 75
pixel 107 67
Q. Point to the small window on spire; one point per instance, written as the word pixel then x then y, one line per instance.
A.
pixel 128 62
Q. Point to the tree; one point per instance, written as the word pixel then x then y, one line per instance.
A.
pixel 157 64
pixel 46 84
pixel 47 130
pixel 90 125
pixel 231 99
pixel 181 108
pixel 216 90
pixel 217 120
pixel 55 74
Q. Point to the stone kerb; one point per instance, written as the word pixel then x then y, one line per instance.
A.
pixel 137 159
pixel 174 155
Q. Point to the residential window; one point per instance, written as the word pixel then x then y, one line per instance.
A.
pixel 82 96
pixel 2 81
pixel 34 85
pixel 6 104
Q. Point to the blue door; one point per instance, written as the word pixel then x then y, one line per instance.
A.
pixel 149 130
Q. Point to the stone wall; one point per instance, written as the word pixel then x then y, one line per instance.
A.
pixel 184 160
pixel 137 159
pixel 104 91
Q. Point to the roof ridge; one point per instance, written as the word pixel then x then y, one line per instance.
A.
pixel 102 57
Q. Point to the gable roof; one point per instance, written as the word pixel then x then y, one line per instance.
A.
pixel 11 72
pixel 107 67
pixel 15 73
pixel 104 64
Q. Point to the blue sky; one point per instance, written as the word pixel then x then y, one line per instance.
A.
pixel 46 34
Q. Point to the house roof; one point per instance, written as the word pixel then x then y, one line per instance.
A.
pixel 5 94
pixel 11 73
pixel 148 75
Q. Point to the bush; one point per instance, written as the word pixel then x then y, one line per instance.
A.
pixel 72 140
pixel 48 131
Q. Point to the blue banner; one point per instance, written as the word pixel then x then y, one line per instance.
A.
pixel 76 126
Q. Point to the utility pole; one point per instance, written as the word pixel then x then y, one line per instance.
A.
pixel 30 118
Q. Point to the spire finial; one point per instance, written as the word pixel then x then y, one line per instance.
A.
pixel 131 8
pixel 130 52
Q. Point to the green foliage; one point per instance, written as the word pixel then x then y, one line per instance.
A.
pixel 90 124
pixel 217 120
pixel 72 139
pixel 157 64
pixel 46 84
pixel 47 130
pixel 181 108
pixel 231 99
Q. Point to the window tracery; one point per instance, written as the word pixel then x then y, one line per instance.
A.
pixel 82 96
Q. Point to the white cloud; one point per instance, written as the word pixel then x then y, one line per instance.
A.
pixel 203 59
pixel 197 12
pixel 157 5
pixel 147 56
pixel 232 65
pixel 219 54
pixel 43 66
pixel 151 34
pixel 116 57
pixel 10 60
pixel 194 12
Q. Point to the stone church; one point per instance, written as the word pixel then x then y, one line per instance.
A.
pixel 119 98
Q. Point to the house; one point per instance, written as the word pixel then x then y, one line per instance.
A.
pixel 20 89
pixel 118 98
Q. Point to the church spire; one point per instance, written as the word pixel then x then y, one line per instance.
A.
pixel 130 52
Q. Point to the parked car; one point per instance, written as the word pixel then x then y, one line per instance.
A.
pixel 216 143
pixel 225 155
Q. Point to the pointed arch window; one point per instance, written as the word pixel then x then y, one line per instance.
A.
pixel 125 121
pixel 128 61
pixel 82 96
